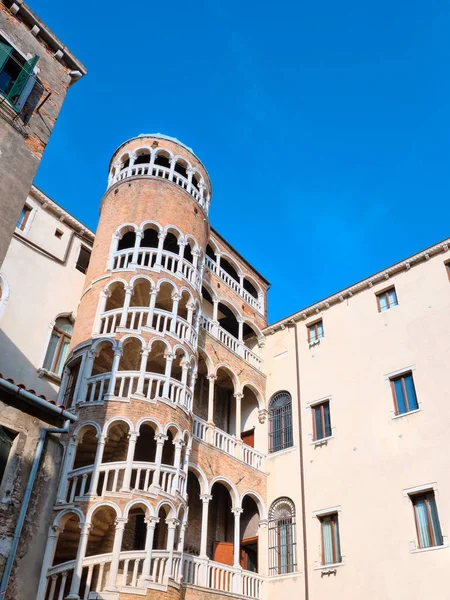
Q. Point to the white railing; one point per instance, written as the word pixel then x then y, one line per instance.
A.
pixel 231 342
pixel 148 170
pixel 233 284
pixel 227 443
pixel 161 321
pixel 200 428
pixel 147 259
pixel 221 577
pixel 126 386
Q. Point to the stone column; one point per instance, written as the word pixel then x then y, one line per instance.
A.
pixel 160 438
pixel 168 372
pixel 161 238
pixel 176 463
pixel 61 497
pixel 151 308
pixel 237 535
pixel 142 370
pixel 98 461
pixel 132 439
pixel 117 547
pixel 176 300
pixel 205 498
pixel 78 568
pixel 173 162
pixel 112 250
pixel 187 454
pixel 85 373
pixel 172 524
pixel 181 247
pixel 239 443
pixel 210 432
pixel 137 245
pixel 147 566
pixel 126 305
pixel 190 313
pixel 263 547
pixel 215 320
pixel 50 548
pixel 114 369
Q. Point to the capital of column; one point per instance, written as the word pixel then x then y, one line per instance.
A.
pixel 151 522
pixel 154 293
pixel 182 243
pixel 84 528
pixel 262 415
pixel 190 305
pixel 205 498
pixel 145 352
pixel 169 355
pixel 162 235
pixel 178 443
pixel 160 438
pixel 172 523
pixel 120 523
pixel 55 530
pixel 118 352
pixel 139 234
pixel 237 510
pixel 74 439
pixel 238 395
pixel 128 289
pixel 176 296
pixel 133 436
pixel 211 377
pixel 263 523
pixel 101 437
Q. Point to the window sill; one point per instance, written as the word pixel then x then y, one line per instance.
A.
pixel 383 312
pixel 278 452
pixel 285 575
pixel 410 412
pixel 49 375
pixel 322 442
pixel 329 567
pixel 430 549
pixel 316 343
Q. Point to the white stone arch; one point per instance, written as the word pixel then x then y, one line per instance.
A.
pixel 188 291
pixel 142 276
pixel 166 502
pixel 231 306
pixel 178 157
pixel 129 336
pixel 189 438
pixel 98 505
pixel 210 368
pixel 183 507
pixel 99 341
pixel 258 394
pixel 229 370
pixel 117 419
pixel 112 282
pixel 190 238
pixel 161 150
pixel 128 226
pixel 230 487
pixel 137 501
pixel 166 280
pixel 159 339
pixel 80 426
pixel 135 153
pixel 214 245
pixel 175 230
pixel 150 420
pixel 173 425
pixel 60 521
pixel 125 154
pixel 232 262
pixel 258 500
pixel 144 225
pixel 208 287
pixel 201 477
pixel 254 283
pixel 252 324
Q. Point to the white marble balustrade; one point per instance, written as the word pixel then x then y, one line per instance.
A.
pixel 228 443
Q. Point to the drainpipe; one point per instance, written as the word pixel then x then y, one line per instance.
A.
pixel 31 399
pixel 301 462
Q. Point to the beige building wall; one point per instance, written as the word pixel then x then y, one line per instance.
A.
pixel 373 456
pixel 39 282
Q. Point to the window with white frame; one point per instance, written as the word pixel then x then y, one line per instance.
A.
pixel 427 519
pixel 387 299
pixel 282 537
pixel 331 545
pixel 58 346
pixel 17 75
pixel 315 332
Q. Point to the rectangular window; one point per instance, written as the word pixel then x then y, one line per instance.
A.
pixel 6 441
pixel 387 300
pixel 24 216
pixel 17 77
pixel 427 520
pixel 403 390
pixel 83 259
pixel 321 420
pixel 331 546
pixel 447 267
pixel 315 332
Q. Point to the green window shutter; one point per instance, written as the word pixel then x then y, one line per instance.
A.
pixel 24 75
pixel 5 53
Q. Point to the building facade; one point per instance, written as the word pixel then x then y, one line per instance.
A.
pixel 36 70
pixel 211 455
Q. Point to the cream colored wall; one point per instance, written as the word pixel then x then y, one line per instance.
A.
pixel 372 457
pixel 40 289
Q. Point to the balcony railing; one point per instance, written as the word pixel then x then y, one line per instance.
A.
pixel 233 284
pixel 196 571
pixel 126 386
pixel 230 342
pixel 161 321
pixel 147 170
pixel 228 443
pixel 146 258
pixel 112 475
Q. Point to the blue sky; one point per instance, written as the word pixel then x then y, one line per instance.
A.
pixel 325 126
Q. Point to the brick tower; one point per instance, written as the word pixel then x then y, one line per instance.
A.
pixel 151 446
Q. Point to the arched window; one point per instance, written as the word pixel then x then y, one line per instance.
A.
pixel 280 422
pixel 282 540
pixel 58 346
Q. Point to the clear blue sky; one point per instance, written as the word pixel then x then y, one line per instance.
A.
pixel 325 126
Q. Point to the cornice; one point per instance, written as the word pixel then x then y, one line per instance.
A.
pixel 361 286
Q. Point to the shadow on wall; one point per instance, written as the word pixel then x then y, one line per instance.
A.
pixel 15 365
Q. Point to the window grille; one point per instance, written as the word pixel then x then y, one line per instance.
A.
pixel 69 392
pixel 280 422
pixel 282 538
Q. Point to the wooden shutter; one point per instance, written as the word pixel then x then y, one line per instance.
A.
pixel 24 75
